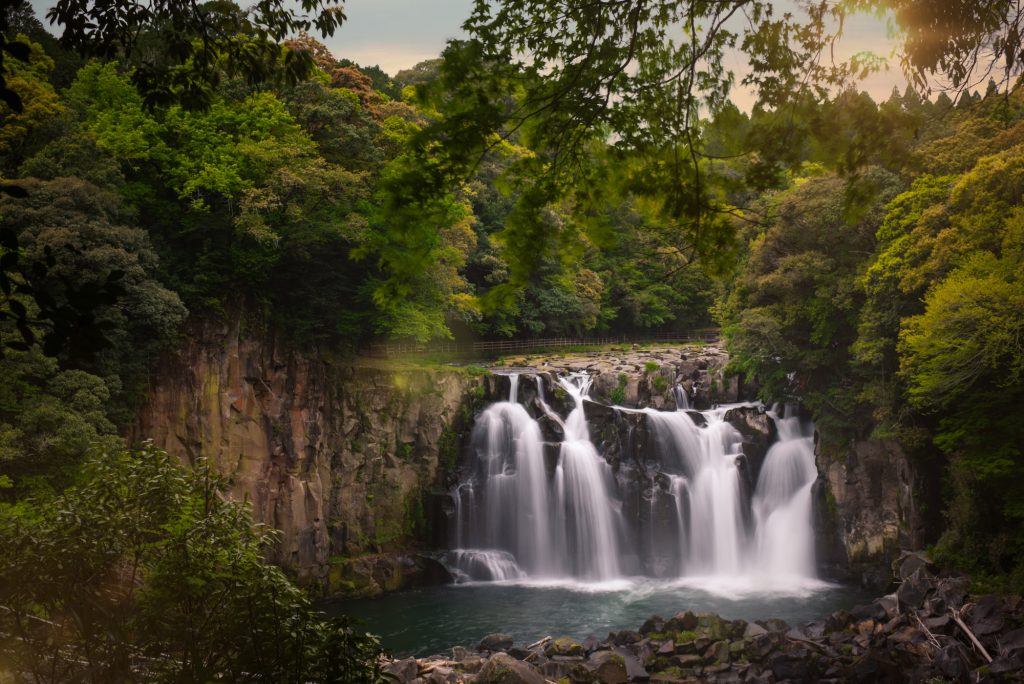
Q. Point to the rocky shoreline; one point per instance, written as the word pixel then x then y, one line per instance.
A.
pixel 930 629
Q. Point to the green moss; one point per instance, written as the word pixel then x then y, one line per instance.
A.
pixel 659 383
pixel 448 449
pixel 404 451
pixel 830 502
pixel 650 367
pixel 618 394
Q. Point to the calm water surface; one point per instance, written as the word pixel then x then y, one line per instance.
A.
pixel 430 621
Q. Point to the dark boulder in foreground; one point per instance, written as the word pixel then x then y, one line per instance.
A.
pixel 930 629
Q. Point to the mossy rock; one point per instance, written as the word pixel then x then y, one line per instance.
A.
pixel 564 646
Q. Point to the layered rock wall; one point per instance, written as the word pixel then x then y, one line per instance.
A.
pixel 341 458
pixel 867 509
pixel 351 461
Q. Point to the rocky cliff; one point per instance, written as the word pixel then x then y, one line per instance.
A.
pixel 867 510
pixel 340 457
pixel 352 461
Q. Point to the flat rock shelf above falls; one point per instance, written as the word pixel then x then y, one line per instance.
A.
pixel 558 487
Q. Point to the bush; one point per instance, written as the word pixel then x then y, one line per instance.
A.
pixel 144 571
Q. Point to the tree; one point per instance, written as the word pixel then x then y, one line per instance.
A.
pixel 179 51
pixel 144 571
pixel 963 361
pixel 793 313
pixel 40 104
pixel 554 76
pixel 957 39
pixel 82 230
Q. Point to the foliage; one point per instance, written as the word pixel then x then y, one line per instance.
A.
pixel 198 44
pixel 72 242
pixel 963 360
pixel 911 327
pixel 48 420
pixel 567 169
pixel 29 80
pixel 144 571
pixel 793 313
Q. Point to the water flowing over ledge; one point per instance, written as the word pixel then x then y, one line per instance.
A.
pixel 556 513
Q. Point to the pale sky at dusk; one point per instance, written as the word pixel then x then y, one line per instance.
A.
pixel 396 34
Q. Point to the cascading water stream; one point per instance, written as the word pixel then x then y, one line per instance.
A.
pixel 714 535
pixel 583 479
pixel 783 500
pixel 526 513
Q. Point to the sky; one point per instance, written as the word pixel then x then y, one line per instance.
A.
pixel 397 34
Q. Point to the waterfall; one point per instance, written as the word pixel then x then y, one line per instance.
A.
pixel 682 399
pixel 589 509
pixel 536 510
pixel 782 502
pixel 516 516
pixel 706 457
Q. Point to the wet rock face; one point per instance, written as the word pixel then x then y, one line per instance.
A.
pixel 340 458
pixel 866 509
pixel 758 431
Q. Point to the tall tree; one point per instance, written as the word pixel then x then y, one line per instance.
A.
pixel 180 51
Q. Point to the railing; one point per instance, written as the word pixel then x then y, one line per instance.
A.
pixel 500 347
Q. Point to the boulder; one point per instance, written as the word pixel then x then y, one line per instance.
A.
pixel 775 625
pixel 502 668
pixel 713 626
pixel 914 589
pixel 404 670
pixel 758 431
pixel 495 642
pixel 909 562
pixel 634 668
pixel 951 663
pixel 868 611
pixel 753 630
pixel 683 621
pixel 608 667
pixel 1011 642
pixel 654 623
pixel 1008 664
pixel 953 590
pixel 717 652
pixel 564 646
pixel 472 664
pixel 760 646
pixel 688 661
pixel 626 636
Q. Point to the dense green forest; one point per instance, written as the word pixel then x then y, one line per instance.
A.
pixel 864 258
